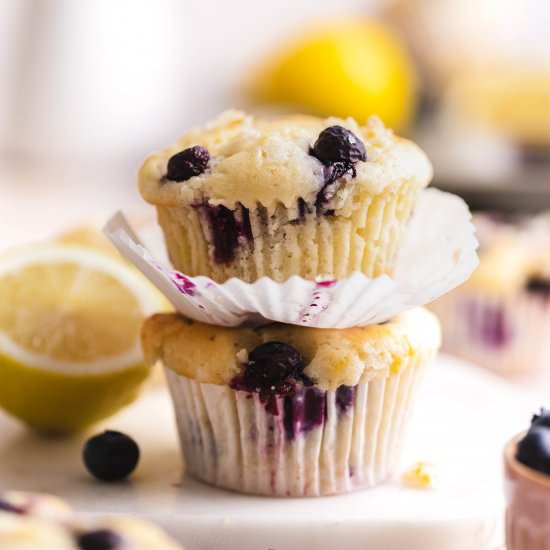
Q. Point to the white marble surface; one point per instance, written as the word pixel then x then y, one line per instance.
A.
pixel 464 416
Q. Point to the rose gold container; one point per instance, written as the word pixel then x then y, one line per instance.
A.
pixel 528 497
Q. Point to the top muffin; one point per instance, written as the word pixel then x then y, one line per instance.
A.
pixel 272 161
pixel 295 195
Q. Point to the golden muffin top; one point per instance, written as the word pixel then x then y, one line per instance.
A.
pixel 270 162
pixel 332 357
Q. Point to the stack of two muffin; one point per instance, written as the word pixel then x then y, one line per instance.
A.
pixel 282 409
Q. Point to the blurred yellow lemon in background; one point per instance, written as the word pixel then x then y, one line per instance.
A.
pixel 349 68
pixel 70 321
pixel 90 236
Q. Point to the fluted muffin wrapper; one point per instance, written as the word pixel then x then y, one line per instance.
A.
pixel 233 439
pixel 252 243
pixel 438 253
pixel 507 334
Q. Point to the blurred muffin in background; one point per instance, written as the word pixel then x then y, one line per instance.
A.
pixel 485 82
pixel 34 521
pixel 500 318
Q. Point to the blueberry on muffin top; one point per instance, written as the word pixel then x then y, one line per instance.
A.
pixel 187 163
pixel 277 354
pixel 282 161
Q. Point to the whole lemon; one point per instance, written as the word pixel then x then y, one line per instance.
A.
pixel 348 68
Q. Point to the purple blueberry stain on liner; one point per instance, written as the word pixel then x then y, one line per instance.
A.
pixel 183 284
pixel 320 302
pixel 303 411
pixel 345 396
pixel 326 284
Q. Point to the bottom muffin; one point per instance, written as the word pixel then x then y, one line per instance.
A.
pixel 292 411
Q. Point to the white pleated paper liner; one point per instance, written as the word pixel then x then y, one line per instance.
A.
pixel 437 254
pixel 230 439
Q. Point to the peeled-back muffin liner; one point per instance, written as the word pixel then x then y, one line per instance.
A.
pixel 235 440
pixel 437 254
pixel 508 334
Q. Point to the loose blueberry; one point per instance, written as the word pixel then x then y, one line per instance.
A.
pixel 101 539
pixel 111 456
pixel 6 506
pixel 534 449
pixel 187 163
pixel 338 144
pixel 273 363
pixel 542 419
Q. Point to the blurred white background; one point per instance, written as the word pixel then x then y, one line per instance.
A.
pixel 88 88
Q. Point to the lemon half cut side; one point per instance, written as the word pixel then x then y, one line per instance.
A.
pixel 70 319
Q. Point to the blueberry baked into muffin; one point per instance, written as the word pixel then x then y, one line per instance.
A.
pixel 297 195
pixel 500 318
pixel 292 411
pixel 30 521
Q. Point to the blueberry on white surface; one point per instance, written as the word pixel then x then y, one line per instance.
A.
pixel 111 456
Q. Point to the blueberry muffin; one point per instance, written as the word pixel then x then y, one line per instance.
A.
pixel 297 195
pixel 500 318
pixel 31 521
pixel 292 411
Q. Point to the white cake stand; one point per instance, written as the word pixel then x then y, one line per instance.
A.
pixel 463 418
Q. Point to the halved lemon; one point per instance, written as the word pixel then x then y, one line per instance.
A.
pixel 70 319
pixel 89 236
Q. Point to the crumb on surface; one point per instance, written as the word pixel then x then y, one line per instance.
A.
pixel 421 475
